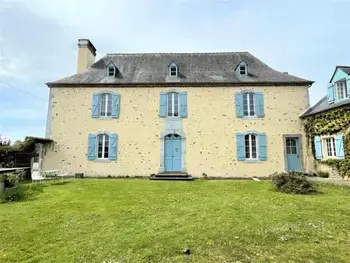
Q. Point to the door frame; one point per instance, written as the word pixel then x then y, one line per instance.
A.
pixel 300 145
pixel 162 149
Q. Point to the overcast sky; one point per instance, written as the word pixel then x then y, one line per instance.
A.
pixel 38 41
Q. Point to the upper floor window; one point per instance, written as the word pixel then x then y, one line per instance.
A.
pixel 103 146
pixel 250 146
pixel 340 89
pixel 249 104
pixel 106 105
pixel 111 70
pixel 173 70
pixel 173 104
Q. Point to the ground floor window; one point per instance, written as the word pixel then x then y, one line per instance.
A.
pixel 250 146
pixel 103 146
pixel 330 147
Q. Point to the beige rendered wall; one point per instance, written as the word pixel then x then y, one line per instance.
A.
pixel 210 130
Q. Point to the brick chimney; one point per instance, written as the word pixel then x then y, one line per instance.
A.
pixel 86 54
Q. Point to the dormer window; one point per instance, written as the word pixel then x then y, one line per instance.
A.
pixel 340 90
pixel 242 68
pixel 173 70
pixel 111 70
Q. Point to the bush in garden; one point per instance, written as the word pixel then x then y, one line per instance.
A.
pixel 293 183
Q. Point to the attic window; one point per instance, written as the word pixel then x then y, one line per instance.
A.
pixel 242 70
pixel 173 70
pixel 111 70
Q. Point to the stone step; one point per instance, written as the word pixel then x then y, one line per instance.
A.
pixel 172 174
pixel 171 178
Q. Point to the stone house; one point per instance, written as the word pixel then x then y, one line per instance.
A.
pixel 223 114
pixel 328 123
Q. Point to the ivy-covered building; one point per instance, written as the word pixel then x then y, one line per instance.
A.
pixel 327 125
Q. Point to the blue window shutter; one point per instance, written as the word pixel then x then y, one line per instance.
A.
pixel 330 94
pixel 339 147
pixel 113 146
pixel 259 101
pixel 91 147
pixel 95 107
pixel 318 148
pixel 240 146
pixel 115 105
pixel 183 104
pixel 348 86
pixel 262 147
pixel 162 105
pixel 239 104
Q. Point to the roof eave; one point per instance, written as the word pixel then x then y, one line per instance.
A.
pixel 197 84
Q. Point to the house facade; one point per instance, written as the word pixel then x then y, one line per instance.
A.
pixel 223 114
pixel 328 126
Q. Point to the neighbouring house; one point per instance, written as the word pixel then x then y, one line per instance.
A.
pixel 327 125
pixel 223 114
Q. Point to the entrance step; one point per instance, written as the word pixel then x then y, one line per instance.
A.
pixel 172 176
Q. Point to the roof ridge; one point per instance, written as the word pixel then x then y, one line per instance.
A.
pixel 342 66
pixel 179 53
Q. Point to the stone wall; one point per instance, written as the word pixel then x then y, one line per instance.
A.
pixel 210 130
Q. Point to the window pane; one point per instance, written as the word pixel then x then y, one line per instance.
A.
pixel 176 104
pixel 173 71
pixel 253 138
pixel 294 150
pixel 288 149
pixel 247 149
pixel 109 106
pixel 245 104
pixel 100 145
pixel 251 104
pixel 170 105
pixel 333 144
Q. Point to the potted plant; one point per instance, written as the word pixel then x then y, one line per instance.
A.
pixel 11 180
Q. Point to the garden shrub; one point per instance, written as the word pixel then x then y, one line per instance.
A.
pixel 11 180
pixel 322 174
pixel 293 183
pixel 21 193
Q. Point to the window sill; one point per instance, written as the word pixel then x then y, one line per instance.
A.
pixel 102 161
pixel 105 118
pixel 251 118
pixel 251 161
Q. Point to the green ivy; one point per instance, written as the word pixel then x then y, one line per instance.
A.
pixel 330 122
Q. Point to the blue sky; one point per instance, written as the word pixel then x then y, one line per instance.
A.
pixel 38 41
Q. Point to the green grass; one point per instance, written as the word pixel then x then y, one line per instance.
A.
pixel 147 221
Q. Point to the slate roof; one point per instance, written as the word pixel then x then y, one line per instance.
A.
pixel 194 68
pixel 346 70
pixel 323 106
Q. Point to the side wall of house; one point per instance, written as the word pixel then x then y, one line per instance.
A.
pixel 210 130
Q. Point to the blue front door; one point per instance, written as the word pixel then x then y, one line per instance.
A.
pixel 293 154
pixel 172 152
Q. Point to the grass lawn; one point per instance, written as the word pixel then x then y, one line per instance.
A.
pixel 111 220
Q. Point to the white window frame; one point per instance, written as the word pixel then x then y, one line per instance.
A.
pixel 108 70
pixel 103 146
pixel 173 105
pixel 171 71
pixel 333 149
pixel 251 147
pixel 340 85
pixel 248 104
pixel 244 69
pixel 107 96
